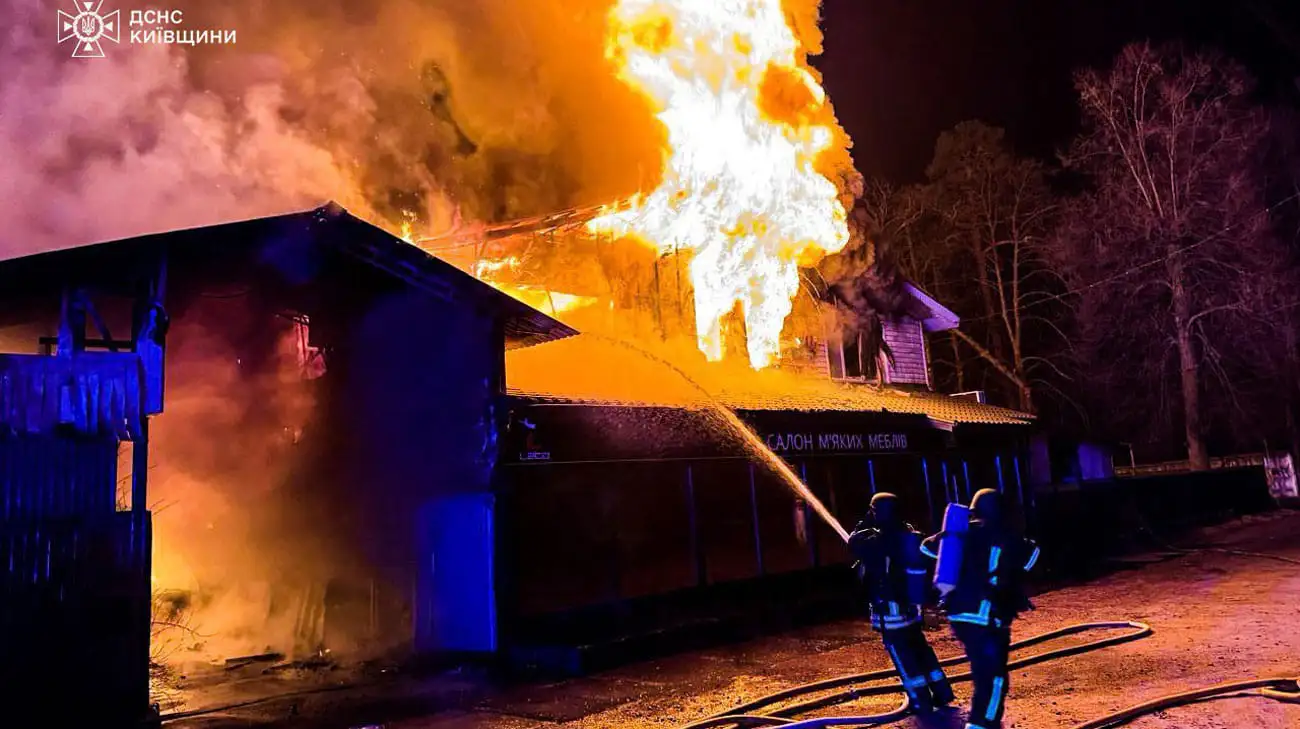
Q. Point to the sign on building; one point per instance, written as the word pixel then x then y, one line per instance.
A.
pixel 817 442
pixel 1281 476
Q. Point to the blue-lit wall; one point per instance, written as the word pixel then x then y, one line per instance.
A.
pixel 415 379
pixel 639 519
pixel 313 491
pixel 1095 462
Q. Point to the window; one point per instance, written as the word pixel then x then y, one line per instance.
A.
pixel 849 359
pixel 311 361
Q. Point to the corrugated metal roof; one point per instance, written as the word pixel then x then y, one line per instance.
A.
pixel 546 374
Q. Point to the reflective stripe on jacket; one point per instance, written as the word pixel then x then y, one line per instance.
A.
pixel 891 569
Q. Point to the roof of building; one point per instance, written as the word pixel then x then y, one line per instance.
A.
pixel 617 374
pixel 328 225
pixel 525 326
pixel 940 318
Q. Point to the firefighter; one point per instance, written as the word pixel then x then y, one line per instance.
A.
pixel 893 574
pixel 988 595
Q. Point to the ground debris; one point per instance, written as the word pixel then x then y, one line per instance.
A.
pixel 306 664
pixel 242 661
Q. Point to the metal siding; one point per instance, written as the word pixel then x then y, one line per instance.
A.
pixel 75 589
pixel 419 385
pixel 92 394
pixel 51 478
pixel 75 596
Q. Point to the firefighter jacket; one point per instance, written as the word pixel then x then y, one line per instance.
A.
pixel 990 588
pixel 893 574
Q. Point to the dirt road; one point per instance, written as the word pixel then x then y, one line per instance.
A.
pixel 1218 617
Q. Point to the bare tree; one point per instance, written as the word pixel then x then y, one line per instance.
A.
pixel 1284 163
pixel 1169 247
pixel 972 236
pixel 920 246
pixel 996 209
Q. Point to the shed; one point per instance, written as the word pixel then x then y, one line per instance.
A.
pixel 403 398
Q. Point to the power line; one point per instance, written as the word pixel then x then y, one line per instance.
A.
pixel 1141 266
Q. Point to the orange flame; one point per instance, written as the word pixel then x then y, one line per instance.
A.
pixel 740 187
pixel 543 299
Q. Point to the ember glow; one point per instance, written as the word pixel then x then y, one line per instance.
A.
pixel 486 269
pixel 741 191
pixel 492 272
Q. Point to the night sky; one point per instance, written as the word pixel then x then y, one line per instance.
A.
pixel 901 71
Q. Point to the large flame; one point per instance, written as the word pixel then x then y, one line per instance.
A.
pixel 746 123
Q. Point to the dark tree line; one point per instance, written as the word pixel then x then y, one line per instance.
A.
pixel 1140 287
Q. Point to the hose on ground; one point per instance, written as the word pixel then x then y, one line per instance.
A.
pixel 1150 530
pixel 1236 553
pixel 1279 689
pixel 743 716
pixel 1284 689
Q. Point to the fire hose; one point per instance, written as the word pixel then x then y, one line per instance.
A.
pixel 1282 688
pixel 1285 689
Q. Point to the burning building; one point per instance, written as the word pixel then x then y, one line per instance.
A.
pixel 364 449
pixel 628 508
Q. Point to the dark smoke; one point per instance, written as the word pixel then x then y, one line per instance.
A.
pixel 865 284
pixel 865 278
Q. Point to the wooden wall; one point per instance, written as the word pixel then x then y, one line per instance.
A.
pixel 907 342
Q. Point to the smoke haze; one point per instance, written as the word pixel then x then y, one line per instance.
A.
pixel 447 110
pixel 442 112
pixel 234 534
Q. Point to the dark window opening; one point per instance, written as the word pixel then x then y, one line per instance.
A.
pixel 857 362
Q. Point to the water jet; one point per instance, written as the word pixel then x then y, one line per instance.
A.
pixel 746 434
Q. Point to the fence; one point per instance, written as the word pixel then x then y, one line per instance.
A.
pixel 598 551
pixel 622 552
pixel 1082 524
pixel 75 588
pixel 1278 467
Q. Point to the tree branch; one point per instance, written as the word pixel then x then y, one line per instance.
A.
pixel 1237 306
pixel 1050 365
pixel 988 356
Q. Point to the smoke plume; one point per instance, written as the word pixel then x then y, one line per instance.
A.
pixel 436 111
pixel 233 532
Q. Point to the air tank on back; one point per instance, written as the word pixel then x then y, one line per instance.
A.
pixel 956 519
pixel 917 585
